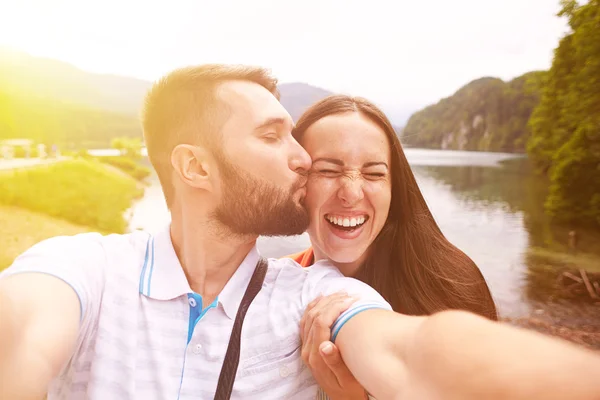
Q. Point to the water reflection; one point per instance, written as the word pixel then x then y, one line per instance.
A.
pixel 488 231
pixel 519 194
pixel 512 185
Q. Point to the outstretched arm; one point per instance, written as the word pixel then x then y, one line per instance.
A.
pixel 458 355
pixel 449 355
pixel 39 322
pixel 48 298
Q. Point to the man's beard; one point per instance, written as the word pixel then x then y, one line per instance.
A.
pixel 253 206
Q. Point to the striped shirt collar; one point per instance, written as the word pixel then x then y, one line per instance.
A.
pixel 163 278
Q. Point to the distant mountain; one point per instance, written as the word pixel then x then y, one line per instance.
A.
pixel 487 114
pixel 23 74
pixel 55 102
pixel 296 97
pixel 66 124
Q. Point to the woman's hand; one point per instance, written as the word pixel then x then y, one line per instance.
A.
pixel 322 356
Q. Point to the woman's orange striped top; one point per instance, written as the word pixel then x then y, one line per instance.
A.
pixel 305 258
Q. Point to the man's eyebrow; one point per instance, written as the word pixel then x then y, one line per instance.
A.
pixel 273 121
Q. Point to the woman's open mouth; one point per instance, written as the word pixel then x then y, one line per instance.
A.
pixel 345 223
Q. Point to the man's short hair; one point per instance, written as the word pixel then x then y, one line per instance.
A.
pixel 183 107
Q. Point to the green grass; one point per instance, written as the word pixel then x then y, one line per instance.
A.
pixel 83 192
pixel 21 229
pixel 129 166
pixel 555 259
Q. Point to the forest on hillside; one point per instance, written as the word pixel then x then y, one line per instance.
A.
pixel 553 116
pixel 565 126
pixel 487 114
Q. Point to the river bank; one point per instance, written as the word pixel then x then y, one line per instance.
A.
pixel 62 198
pixel 580 325
pixel 566 302
pixel 20 229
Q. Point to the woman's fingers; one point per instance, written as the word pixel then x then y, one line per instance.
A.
pixel 317 328
pixel 315 308
pixel 324 316
pixel 309 347
pixel 333 359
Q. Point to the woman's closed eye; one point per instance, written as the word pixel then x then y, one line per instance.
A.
pixel 375 175
pixel 328 172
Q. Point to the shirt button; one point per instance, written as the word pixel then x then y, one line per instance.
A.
pixel 192 301
pixel 284 371
pixel 197 349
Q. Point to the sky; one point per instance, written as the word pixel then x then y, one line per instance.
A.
pixel 401 54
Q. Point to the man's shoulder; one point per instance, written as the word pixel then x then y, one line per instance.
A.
pixel 287 272
pixel 131 243
pixel 89 240
pixel 290 265
pixel 282 268
pixel 283 263
pixel 87 245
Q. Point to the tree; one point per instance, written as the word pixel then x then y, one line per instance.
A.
pixel 129 147
pixel 565 126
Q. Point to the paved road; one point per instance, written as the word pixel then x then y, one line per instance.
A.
pixel 26 162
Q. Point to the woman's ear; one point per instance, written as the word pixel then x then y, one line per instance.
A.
pixel 193 165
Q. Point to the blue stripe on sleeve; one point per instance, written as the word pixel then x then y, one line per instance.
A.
pixel 348 314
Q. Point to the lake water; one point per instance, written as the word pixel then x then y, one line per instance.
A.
pixel 487 204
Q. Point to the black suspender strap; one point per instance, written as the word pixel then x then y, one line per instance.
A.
pixel 232 357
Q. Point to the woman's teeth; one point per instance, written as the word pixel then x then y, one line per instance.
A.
pixel 346 221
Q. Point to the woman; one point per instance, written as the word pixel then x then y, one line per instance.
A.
pixel 370 219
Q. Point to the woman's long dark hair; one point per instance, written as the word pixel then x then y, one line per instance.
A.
pixel 411 263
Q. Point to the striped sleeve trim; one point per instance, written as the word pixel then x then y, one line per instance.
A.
pixel 348 314
pixel 321 395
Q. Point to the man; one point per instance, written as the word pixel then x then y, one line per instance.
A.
pixel 148 316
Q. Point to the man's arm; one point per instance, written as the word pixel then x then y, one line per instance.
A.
pixel 458 355
pixel 39 323
pixel 49 297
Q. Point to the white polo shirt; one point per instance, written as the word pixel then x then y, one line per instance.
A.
pixel 146 335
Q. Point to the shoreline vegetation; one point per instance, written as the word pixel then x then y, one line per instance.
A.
pixel 81 191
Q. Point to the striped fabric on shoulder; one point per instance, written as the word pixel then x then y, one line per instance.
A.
pixel 321 395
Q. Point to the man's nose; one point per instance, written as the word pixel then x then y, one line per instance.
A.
pixel 300 161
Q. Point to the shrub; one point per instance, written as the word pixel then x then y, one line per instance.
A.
pixel 127 165
pixel 80 191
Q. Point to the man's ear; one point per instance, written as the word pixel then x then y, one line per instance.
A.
pixel 193 165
